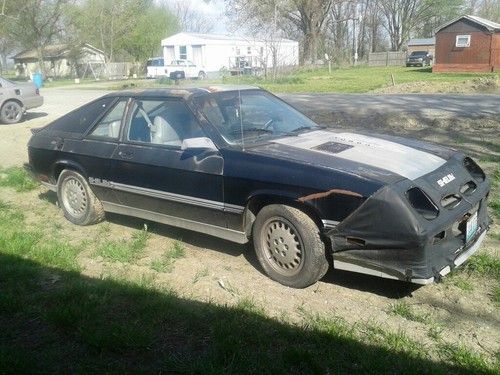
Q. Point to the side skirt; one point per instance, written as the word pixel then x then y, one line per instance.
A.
pixel 212 230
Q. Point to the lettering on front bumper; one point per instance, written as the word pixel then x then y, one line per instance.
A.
pixel 445 180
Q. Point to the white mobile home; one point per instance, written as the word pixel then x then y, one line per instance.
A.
pixel 215 52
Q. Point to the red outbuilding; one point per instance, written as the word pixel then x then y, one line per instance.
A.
pixel 468 44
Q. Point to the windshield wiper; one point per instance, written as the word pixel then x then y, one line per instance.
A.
pixel 255 129
pixel 302 128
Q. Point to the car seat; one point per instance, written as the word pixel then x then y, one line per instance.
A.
pixel 163 133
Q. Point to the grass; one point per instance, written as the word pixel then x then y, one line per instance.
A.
pixel 18 179
pixel 460 354
pixel 124 251
pixel 495 295
pixel 358 79
pixel 168 258
pixel 54 319
pixel 483 264
pixel 200 274
pixel 406 311
pixel 462 283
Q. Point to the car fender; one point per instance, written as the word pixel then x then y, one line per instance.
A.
pixel 260 198
pixel 60 165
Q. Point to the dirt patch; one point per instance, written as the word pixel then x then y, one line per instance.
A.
pixel 480 85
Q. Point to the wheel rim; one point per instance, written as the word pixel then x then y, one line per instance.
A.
pixel 283 246
pixel 74 197
pixel 12 111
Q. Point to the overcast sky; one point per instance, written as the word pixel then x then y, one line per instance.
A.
pixel 213 9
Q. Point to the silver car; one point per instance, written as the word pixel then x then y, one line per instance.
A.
pixel 16 98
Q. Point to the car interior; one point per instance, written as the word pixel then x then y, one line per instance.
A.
pixel 162 122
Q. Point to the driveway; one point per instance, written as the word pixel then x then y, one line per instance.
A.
pixel 13 138
pixel 423 104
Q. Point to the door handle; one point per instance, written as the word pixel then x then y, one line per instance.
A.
pixel 126 154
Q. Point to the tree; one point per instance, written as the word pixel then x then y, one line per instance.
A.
pixel 124 28
pixel 489 9
pixel 34 24
pixel 190 19
pixel 265 16
pixel 440 12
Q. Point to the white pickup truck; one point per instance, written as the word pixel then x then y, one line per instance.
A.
pixel 177 69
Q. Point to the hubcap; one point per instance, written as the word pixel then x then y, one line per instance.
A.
pixel 12 111
pixel 283 246
pixel 74 197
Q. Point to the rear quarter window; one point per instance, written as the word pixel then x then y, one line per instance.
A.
pixel 80 120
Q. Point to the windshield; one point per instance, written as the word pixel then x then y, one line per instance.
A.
pixel 155 62
pixel 418 53
pixel 251 116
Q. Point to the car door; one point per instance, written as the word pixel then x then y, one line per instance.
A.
pixel 98 146
pixel 154 178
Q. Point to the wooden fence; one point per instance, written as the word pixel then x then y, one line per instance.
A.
pixel 387 59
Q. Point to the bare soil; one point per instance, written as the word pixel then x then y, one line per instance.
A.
pixel 480 85
pixel 225 273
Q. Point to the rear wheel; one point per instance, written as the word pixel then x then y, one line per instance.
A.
pixel 77 200
pixel 202 75
pixel 288 246
pixel 11 112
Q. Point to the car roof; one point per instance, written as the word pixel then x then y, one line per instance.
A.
pixel 181 92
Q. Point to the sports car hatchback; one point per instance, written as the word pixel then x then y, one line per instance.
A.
pixel 240 164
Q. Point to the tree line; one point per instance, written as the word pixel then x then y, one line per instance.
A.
pixel 345 28
pixel 132 30
pixel 125 30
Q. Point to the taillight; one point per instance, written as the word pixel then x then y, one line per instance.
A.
pixel 422 203
pixel 474 169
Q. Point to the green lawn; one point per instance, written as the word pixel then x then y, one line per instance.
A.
pixel 356 80
pixel 344 80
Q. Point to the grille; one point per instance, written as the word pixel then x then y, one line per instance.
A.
pixel 451 201
pixel 468 188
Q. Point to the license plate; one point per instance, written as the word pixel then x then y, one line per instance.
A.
pixel 471 228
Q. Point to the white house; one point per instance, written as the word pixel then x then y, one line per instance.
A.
pixel 215 52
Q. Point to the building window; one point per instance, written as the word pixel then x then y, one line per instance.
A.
pixel 249 50
pixel 183 53
pixel 237 51
pixel 462 41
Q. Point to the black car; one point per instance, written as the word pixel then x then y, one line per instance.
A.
pixel 240 164
pixel 419 58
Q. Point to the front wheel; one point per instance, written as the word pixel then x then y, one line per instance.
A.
pixel 11 112
pixel 202 75
pixel 288 246
pixel 77 200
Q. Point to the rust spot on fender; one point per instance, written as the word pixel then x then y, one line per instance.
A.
pixel 328 193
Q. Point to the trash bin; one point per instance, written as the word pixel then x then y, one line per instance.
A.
pixel 38 80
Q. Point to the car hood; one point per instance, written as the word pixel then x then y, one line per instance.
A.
pixel 382 158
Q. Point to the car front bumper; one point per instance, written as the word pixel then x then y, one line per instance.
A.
pixel 32 102
pixel 387 238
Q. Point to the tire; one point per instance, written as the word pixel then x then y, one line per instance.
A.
pixel 288 246
pixel 77 200
pixel 202 75
pixel 11 112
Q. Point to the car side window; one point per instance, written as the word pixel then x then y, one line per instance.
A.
pixel 162 122
pixel 80 120
pixel 109 126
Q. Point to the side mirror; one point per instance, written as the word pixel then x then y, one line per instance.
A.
pixel 199 143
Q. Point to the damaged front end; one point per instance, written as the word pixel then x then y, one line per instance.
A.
pixel 416 231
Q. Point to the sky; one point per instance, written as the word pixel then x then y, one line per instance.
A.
pixel 213 9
